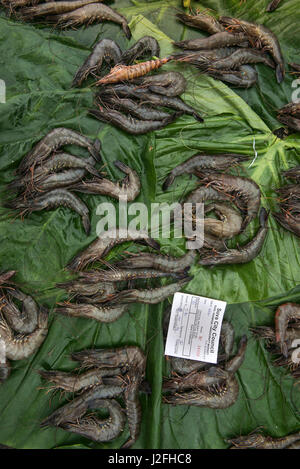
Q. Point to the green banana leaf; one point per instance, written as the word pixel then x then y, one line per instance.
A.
pixel 37 65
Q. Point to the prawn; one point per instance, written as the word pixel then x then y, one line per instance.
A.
pixel 222 398
pixel 54 198
pixel 283 315
pixel 121 275
pixel 57 162
pixel 245 254
pixel 128 188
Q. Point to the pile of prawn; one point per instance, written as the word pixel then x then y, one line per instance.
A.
pixel 65 13
pixel 198 383
pixel 105 294
pixel 235 200
pixel 21 332
pixel 283 339
pixel 127 98
pixel 233 45
pixel 289 200
pixel 48 178
pixel 108 374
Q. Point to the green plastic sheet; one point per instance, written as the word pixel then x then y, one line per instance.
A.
pixel 37 65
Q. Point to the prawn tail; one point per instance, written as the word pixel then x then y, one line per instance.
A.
pixel 183 274
pixel 280 73
pixel 263 217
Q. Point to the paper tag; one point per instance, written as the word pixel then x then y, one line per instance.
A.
pixel 194 327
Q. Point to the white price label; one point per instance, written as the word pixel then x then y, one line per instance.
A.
pixel 195 327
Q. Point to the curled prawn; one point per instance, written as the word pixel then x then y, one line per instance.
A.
pixel 284 314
